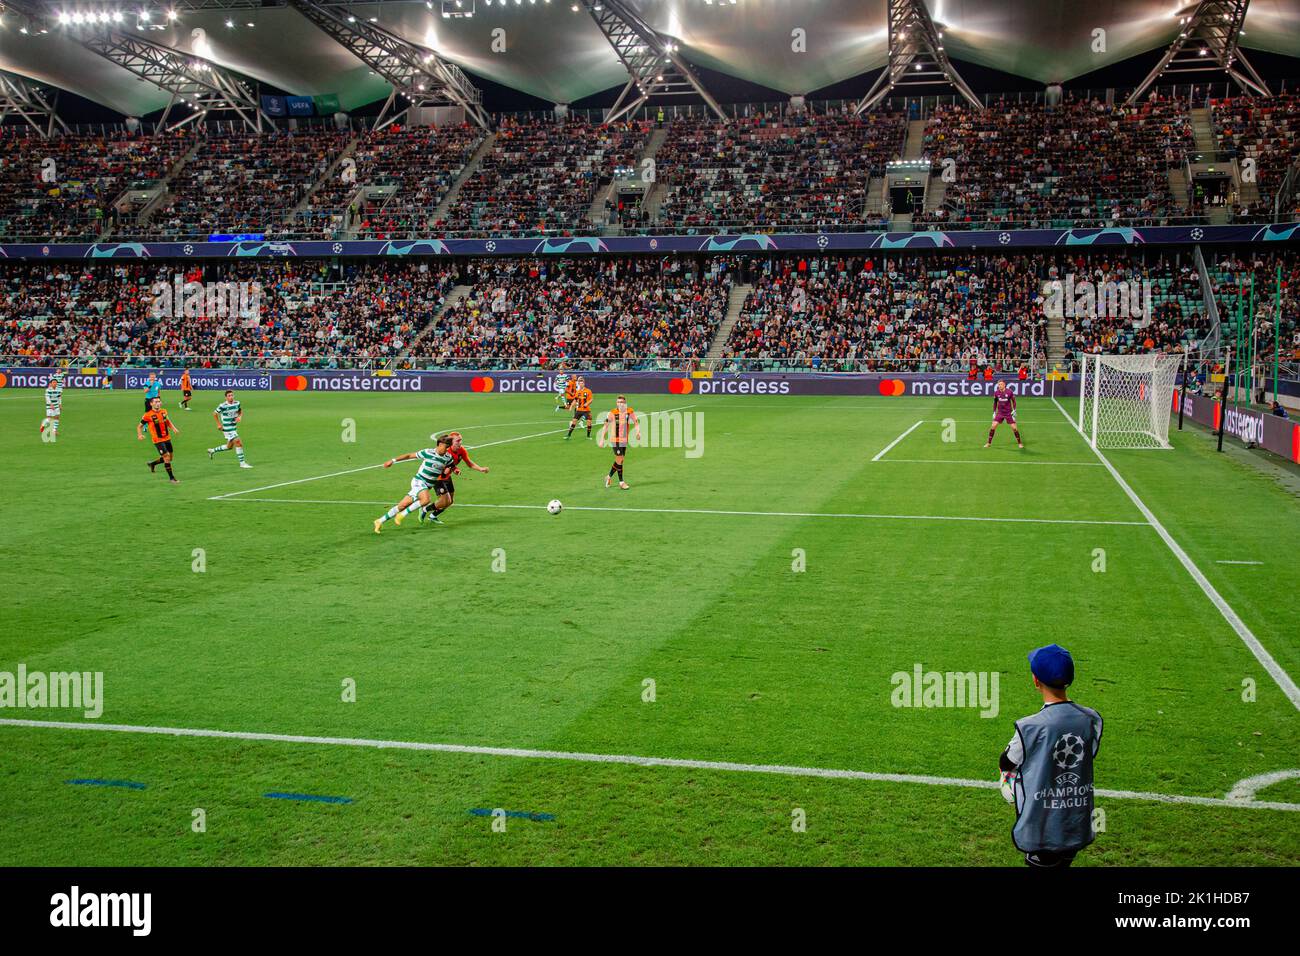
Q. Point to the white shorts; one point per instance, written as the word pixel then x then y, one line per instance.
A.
pixel 52 411
pixel 417 486
pixel 231 434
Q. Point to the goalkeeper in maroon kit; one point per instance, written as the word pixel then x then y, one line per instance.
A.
pixel 1004 410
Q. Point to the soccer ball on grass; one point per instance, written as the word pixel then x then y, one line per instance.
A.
pixel 554 507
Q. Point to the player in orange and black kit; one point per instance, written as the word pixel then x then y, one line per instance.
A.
pixel 619 421
pixel 444 489
pixel 160 430
pixel 570 393
pixel 581 408
pixel 186 393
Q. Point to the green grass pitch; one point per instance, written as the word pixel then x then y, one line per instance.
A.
pixel 752 661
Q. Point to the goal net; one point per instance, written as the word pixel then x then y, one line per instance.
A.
pixel 1125 400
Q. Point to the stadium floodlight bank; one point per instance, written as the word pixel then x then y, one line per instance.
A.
pixel 1125 400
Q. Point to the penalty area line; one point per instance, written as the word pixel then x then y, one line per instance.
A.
pixel 884 451
pixel 1242 801
pixel 1275 670
pixel 352 471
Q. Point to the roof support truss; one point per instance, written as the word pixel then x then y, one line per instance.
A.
pixel 1207 41
pixel 205 86
pixel 653 63
pixel 417 74
pixel 21 97
pixel 916 56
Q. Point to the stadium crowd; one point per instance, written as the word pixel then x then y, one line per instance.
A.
pixel 620 313
pixel 1267 131
pixel 1275 299
pixel 420 163
pixel 797 171
pixel 541 176
pixel 63 188
pixel 238 182
pixel 921 312
pixel 926 311
pixel 1081 163
pixel 1168 286
pixel 291 312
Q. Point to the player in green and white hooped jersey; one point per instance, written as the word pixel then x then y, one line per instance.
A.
pixel 433 462
pixel 561 380
pixel 228 415
pixel 53 406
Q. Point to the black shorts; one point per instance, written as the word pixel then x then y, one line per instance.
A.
pixel 620 449
pixel 164 447
pixel 186 393
pixel 444 486
pixel 581 414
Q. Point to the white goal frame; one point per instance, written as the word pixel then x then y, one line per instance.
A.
pixel 1125 401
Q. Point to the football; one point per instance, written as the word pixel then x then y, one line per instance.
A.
pixel 555 506
pixel 1009 786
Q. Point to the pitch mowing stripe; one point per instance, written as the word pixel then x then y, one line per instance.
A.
pixel 703 511
pixel 630 760
pixel 1275 670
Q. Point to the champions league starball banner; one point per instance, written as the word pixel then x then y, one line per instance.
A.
pixel 757 384
pixel 803 243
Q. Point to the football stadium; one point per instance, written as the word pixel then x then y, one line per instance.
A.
pixel 650 433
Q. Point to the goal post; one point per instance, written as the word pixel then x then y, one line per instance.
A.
pixel 1125 401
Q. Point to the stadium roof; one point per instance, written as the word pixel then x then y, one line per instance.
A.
pixel 557 53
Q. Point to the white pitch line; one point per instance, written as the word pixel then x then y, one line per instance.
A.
pixel 1246 789
pixel 1238 562
pixel 1275 670
pixel 707 511
pixel 972 461
pixel 881 454
pixel 628 759
pixel 297 481
pixel 353 471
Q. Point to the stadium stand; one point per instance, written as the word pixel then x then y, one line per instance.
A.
pixel 1269 133
pixel 300 313
pixel 420 162
pixel 627 314
pixel 1178 318
pixel 238 182
pixel 90 170
pixel 541 176
pixel 936 313
pixel 925 311
pixel 762 172
pixel 1081 163
pixel 1231 275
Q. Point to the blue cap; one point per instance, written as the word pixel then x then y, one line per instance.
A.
pixel 1052 665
